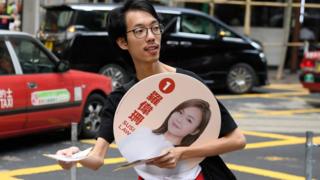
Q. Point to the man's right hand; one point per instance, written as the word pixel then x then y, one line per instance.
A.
pixel 67 152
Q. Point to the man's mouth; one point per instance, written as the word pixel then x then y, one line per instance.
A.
pixel 152 48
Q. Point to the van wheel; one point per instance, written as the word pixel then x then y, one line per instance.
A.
pixel 117 73
pixel 241 78
pixel 91 119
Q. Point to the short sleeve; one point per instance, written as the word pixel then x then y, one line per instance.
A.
pixel 107 116
pixel 227 122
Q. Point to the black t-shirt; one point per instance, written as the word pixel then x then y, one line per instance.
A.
pixel 212 167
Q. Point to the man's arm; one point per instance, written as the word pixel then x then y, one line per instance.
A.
pixel 94 160
pixel 235 140
pixel 96 157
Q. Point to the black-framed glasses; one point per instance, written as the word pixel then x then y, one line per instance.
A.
pixel 141 32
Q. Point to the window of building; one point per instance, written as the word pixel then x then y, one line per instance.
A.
pixel 267 16
pixel 232 15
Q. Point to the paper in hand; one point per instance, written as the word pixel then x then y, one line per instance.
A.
pixel 75 157
pixel 137 162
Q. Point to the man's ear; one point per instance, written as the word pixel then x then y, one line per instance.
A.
pixel 122 43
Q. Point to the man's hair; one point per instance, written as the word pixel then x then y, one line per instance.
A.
pixel 116 21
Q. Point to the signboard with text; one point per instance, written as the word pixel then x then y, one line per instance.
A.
pixel 162 112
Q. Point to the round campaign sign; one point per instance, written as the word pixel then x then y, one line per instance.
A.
pixel 161 112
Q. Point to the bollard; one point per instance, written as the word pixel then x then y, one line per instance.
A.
pixel 74 139
pixel 308 155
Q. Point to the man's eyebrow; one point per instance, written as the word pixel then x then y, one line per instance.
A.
pixel 143 25
pixel 154 22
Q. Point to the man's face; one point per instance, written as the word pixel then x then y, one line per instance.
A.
pixel 142 48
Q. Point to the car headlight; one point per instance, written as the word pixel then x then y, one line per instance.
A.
pixel 263 56
pixel 256 45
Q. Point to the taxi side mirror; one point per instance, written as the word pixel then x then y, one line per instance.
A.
pixel 63 66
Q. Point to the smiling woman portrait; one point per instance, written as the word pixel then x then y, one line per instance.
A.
pixel 186 122
pixel 183 126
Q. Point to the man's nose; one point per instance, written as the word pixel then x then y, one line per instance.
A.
pixel 150 35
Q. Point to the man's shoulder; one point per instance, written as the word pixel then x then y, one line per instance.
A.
pixel 189 73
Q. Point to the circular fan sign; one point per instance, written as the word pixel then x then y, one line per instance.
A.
pixel 161 112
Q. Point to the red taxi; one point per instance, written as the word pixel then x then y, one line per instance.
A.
pixel 38 92
pixel 310 76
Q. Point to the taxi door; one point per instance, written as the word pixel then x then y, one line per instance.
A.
pixel 49 94
pixel 12 95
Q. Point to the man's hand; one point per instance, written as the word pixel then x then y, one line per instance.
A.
pixel 170 160
pixel 67 152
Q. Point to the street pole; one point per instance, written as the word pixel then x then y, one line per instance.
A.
pixel 74 139
pixel 247 18
pixel 308 161
pixel 286 24
pixel 31 16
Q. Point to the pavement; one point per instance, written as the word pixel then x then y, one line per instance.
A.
pixel 289 109
pixel 286 78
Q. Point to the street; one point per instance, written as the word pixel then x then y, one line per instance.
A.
pixel 274 118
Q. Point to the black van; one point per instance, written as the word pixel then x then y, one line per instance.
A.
pixel 192 40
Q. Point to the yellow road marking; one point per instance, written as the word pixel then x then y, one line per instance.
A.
pixel 285 86
pixel 298 88
pixel 278 143
pixel 273 95
pixel 287 112
pixel 93 141
pixel 10 175
pixel 274 143
pixel 88 141
pixel 269 135
pixel 284 140
pixel 277 158
pixel 264 172
pixel 238 115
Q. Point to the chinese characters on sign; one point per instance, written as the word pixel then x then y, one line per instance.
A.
pixel 166 86
pixel 6 98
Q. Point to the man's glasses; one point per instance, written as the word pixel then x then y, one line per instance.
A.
pixel 142 32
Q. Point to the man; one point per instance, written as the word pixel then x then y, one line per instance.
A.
pixel 135 28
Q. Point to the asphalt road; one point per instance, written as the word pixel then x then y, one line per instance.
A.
pixel 274 118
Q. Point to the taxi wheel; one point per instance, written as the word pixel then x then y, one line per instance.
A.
pixel 91 120
pixel 241 78
pixel 117 73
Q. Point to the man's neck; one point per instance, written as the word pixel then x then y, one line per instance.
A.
pixel 149 69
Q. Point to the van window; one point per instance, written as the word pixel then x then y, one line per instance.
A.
pixel 197 25
pixel 57 20
pixel 200 25
pixel 166 18
pixel 92 20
